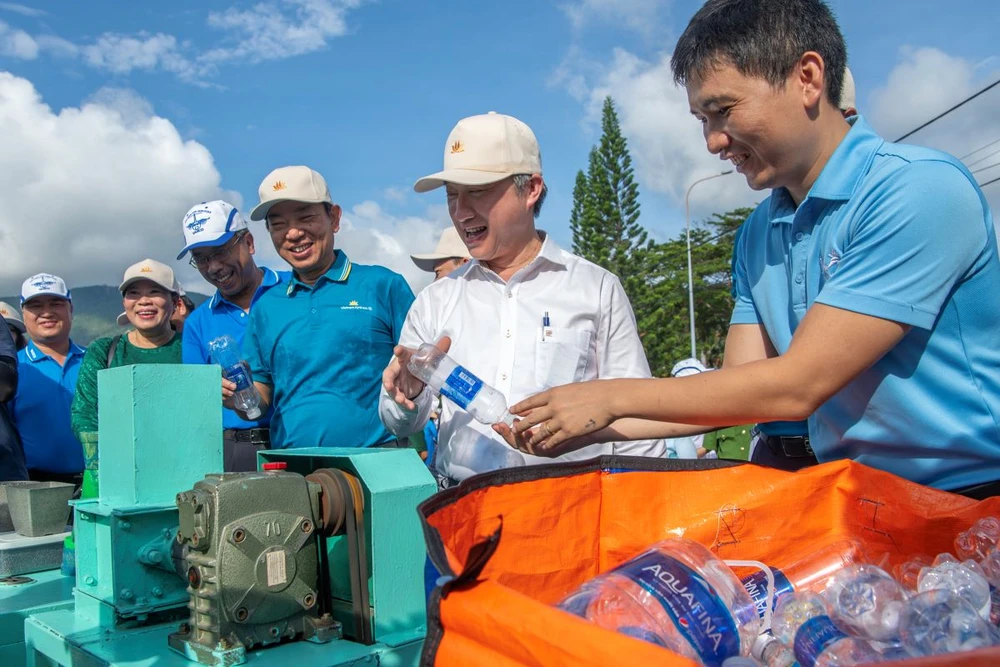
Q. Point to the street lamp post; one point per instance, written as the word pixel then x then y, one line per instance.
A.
pixel 687 222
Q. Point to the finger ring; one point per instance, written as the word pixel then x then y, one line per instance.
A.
pixel 548 431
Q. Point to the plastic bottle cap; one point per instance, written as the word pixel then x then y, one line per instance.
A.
pixel 276 465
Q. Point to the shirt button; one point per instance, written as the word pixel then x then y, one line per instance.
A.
pixel 798 278
pixel 243 314
pixel 503 376
pixel 799 236
pixel 314 310
pixel 510 295
pixel 508 333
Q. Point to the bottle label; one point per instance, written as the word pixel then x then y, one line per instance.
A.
pixel 814 637
pixel 238 374
pixel 701 616
pixel 756 587
pixel 461 387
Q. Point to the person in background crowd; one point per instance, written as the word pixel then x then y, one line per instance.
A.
pixel 860 280
pixel 523 315
pixel 12 465
pixel 185 306
pixel 316 346
pixel 47 375
pixel 149 297
pixel 449 255
pixel 14 324
pixel 690 446
pixel 222 249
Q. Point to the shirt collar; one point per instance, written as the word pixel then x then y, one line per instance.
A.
pixel 270 279
pixel 842 174
pixel 550 252
pixel 35 355
pixel 337 273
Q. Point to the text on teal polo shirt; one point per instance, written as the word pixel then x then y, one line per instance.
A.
pixel 901 233
pixel 40 409
pixel 220 317
pixel 323 348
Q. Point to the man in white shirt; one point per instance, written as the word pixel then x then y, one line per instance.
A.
pixel 524 315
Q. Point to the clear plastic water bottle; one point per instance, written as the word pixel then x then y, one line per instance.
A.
pixel 440 372
pixel 676 595
pixel 966 579
pixel 866 601
pixel 226 352
pixel 908 572
pixel 810 568
pixel 941 621
pixel 976 542
pixel 801 621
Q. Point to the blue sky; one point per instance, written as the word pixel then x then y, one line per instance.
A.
pixel 126 113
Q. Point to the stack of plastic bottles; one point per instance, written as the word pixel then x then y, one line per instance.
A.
pixel 828 605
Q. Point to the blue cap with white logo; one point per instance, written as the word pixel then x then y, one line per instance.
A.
pixel 210 223
pixel 42 284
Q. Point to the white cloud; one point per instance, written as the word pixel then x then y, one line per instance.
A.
pixel 642 16
pixel 120 54
pixel 396 194
pixel 17 43
pixel 22 9
pixel 92 189
pixel 665 140
pixel 369 235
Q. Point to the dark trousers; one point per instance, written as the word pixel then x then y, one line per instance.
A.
pixel 768 451
pixel 240 447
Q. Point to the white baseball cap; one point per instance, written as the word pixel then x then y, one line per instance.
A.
pixel 290 184
pixel 44 284
pixel 848 93
pixel 211 223
pixel 687 367
pixel 485 149
pixel 449 246
pixel 13 317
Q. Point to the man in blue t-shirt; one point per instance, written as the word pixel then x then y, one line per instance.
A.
pixel 865 284
pixel 222 249
pixel 317 345
pixel 47 371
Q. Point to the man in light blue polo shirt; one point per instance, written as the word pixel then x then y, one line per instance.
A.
pixel 866 283
pixel 47 371
pixel 222 249
pixel 316 347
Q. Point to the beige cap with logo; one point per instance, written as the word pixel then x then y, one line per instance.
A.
pixel 449 246
pixel 290 184
pixel 13 317
pixel 485 149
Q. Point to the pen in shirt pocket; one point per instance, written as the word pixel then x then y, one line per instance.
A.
pixel 546 331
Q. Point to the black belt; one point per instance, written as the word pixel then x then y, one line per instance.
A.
pixel 793 447
pixel 258 435
pixel 980 491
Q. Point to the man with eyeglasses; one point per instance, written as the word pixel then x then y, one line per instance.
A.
pixel 222 250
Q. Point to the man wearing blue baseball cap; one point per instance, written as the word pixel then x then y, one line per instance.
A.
pixel 222 250
pixel 48 368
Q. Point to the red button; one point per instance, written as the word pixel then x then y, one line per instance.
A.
pixel 276 465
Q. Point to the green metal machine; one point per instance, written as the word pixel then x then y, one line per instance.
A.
pixel 316 560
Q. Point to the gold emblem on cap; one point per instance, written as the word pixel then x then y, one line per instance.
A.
pixel 278 185
pixel 457 147
pixel 146 269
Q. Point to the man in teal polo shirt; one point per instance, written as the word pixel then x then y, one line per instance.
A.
pixel 47 371
pixel 866 283
pixel 316 347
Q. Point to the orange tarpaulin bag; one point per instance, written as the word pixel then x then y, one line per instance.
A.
pixel 512 543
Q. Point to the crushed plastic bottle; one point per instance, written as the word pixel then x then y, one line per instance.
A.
pixel 979 539
pixel 866 601
pixel 225 351
pixel 941 621
pixel 967 579
pixel 676 595
pixel 802 622
pixel 908 572
pixel 443 375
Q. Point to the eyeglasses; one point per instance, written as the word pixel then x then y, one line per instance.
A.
pixel 221 255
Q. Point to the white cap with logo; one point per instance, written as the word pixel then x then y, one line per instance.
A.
pixel 150 269
pixel 449 246
pixel 13 317
pixel 42 284
pixel 848 93
pixel 485 149
pixel 297 183
pixel 687 367
pixel 211 223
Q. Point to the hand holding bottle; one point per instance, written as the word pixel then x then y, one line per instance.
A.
pixel 399 382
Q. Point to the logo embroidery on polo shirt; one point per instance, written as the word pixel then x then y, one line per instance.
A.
pixel 278 185
pixel 457 147
pixel 353 305
pixel 830 263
